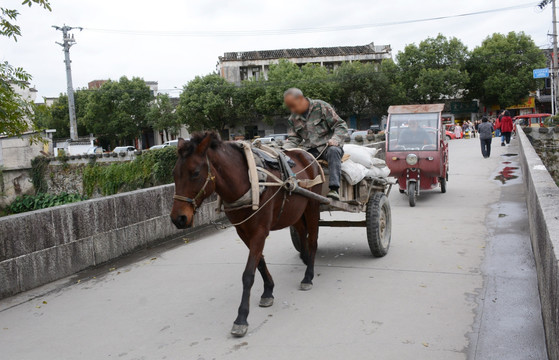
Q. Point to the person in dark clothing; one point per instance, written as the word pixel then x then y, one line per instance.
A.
pixel 506 128
pixel 485 130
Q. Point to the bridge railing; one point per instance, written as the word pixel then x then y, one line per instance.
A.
pixel 542 197
pixel 45 245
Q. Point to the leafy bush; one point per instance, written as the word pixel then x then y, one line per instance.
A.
pixel 38 168
pixel 154 167
pixel 41 201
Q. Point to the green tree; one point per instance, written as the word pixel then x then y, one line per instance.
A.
pixel 206 103
pixel 315 81
pixel 14 110
pixel 365 90
pixel 162 116
pixel 434 70
pixel 117 112
pixel 58 117
pixel 501 69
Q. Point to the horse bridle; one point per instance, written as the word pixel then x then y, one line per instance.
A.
pixel 202 192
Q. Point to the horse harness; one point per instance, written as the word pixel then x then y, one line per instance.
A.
pixel 287 181
pixel 202 192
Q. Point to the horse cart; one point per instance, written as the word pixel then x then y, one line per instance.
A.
pixel 369 196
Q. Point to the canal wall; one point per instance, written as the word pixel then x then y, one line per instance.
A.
pixel 45 245
pixel 542 197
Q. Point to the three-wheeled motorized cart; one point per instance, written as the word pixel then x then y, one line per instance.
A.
pixel 417 148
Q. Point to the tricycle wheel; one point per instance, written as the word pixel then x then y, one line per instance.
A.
pixel 443 184
pixel 411 193
pixel 295 239
pixel 379 224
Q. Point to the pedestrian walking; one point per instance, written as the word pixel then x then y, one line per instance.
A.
pixel 458 131
pixel 506 128
pixel 497 125
pixel 485 130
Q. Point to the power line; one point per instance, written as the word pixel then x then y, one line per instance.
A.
pixel 304 30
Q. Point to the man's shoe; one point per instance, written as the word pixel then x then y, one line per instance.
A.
pixel 502 144
pixel 333 194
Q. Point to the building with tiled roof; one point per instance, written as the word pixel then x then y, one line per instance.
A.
pixel 238 66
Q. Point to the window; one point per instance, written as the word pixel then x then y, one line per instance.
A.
pixel 413 131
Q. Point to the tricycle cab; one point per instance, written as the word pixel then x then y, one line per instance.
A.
pixel 417 148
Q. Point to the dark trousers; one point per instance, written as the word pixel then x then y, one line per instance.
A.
pixel 332 154
pixel 505 136
pixel 486 147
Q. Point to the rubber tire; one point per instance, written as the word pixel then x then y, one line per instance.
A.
pixel 379 224
pixel 448 138
pixel 443 185
pixel 411 193
pixel 295 238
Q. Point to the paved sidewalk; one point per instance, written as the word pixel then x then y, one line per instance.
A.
pixel 457 283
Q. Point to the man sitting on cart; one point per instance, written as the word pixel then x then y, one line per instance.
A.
pixel 414 136
pixel 314 126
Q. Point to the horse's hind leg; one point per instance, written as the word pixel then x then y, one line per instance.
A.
pixel 267 298
pixel 312 216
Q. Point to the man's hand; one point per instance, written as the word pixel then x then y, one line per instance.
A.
pixel 333 142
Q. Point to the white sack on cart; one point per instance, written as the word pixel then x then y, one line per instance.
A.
pixel 361 154
pixel 353 172
pixel 378 172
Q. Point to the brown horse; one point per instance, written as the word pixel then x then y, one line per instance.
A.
pixel 206 165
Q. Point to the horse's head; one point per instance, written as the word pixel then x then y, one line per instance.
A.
pixel 194 180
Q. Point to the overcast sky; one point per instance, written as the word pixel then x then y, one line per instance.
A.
pixel 174 60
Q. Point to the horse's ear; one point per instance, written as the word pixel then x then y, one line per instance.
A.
pixel 181 143
pixel 204 144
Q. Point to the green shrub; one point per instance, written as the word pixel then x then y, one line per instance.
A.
pixel 38 169
pixel 41 201
pixel 152 168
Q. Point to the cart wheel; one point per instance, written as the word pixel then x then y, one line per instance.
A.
pixel 443 184
pixel 402 191
pixel 411 193
pixel 295 238
pixel 379 224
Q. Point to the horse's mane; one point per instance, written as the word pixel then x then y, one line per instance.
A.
pixel 188 147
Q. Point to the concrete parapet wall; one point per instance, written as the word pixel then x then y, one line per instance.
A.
pixel 542 196
pixel 46 245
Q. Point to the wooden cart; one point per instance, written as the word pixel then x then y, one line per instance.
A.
pixel 370 196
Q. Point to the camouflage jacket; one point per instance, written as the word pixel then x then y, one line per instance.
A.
pixel 321 124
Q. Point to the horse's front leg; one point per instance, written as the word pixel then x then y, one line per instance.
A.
pixel 240 326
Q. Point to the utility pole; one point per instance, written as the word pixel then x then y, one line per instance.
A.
pixel 67 42
pixel 554 62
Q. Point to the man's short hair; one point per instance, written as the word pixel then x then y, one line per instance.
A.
pixel 296 93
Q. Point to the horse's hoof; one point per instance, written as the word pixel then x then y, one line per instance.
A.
pixel 266 302
pixel 306 287
pixel 239 330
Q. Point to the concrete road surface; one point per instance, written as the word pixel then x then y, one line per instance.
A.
pixel 458 283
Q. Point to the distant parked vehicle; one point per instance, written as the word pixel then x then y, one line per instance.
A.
pixel 267 140
pixel 95 150
pixel 362 133
pixel 375 128
pixel 272 139
pixel 124 149
pixel 279 137
pixel 155 147
pixel 171 143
